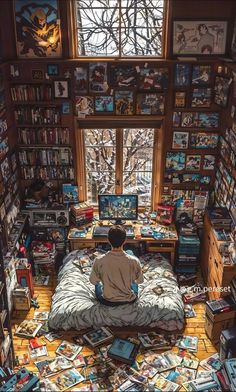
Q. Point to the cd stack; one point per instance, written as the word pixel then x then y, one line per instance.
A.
pixel 220 217
pixel 188 250
pixel 81 214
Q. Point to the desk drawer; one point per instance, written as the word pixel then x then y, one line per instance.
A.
pixel 159 247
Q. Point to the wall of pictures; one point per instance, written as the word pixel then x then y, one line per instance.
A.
pixel 225 183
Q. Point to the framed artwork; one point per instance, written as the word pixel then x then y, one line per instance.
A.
pixel 208 119
pixel 84 106
pixel 124 102
pixel 209 162
pixel 201 74
pixel 199 37
pixel 203 140
pixel 175 161
pixel 176 119
pixel 80 80
pixel 150 104
pixel 98 77
pixel 182 75
pixel 37 74
pixel 180 99
pixel 180 140
pixel 193 162
pixel 221 90
pixel 205 180
pixel 189 119
pixel 52 69
pixel 61 88
pixel 104 104
pixel 201 97
pixel 155 79
pixel 123 76
pixel 31 19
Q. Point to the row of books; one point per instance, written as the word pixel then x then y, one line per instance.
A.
pixel 37 115
pixel 31 93
pixel 44 136
pixel 47 173
pixel 50 156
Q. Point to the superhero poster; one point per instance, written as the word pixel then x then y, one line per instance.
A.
pixel 37 29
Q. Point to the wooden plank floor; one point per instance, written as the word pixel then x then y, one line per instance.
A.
pixel 194 327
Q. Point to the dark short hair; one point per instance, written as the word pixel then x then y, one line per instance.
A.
pixel 116 236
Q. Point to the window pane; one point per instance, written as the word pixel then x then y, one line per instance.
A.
pixel 137 163
pixel 109 26
pixel 100 152
pixel 140 183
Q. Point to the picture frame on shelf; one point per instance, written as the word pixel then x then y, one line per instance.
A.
pixel 124 102
pixel 193 162
pixel 123 76
pixel 180 140
pixel 209 162
pixel 221 90
pixel 37 74
pixel 80 85
pixel 199 37
pixel 176 119
pixel 84 105
pixel 61 88
pixel 98 77
pixel 201 75
pixel 175 161
pixel 150 104
pixel 180 99
pixel 104 104
pixel 153 79
pixel 53 69
pixel 182 75
pixel 201 97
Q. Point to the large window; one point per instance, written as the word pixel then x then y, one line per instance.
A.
pixel 119 27
pixel 119 160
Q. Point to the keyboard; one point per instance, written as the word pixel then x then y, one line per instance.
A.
pixel 102 231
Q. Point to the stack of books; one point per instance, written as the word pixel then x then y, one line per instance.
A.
pixel 43 252
pixel 188 253
pixel 81 214
pixel 220 217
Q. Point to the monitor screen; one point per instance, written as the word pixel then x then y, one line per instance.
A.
pixel 118 207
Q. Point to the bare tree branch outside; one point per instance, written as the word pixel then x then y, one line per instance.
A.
pixel 119 27
pixel 137 162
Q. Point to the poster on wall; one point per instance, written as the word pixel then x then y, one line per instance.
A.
pixel 199 37
pixel 38 32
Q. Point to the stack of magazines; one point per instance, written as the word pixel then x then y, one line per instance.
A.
pixel 193 294
pixel 43 252
pixel 188 253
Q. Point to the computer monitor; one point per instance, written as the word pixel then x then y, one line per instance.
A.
pixel 118 207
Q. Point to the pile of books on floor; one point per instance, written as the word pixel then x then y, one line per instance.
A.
pixel 97 360
pixel 43 252
pixel 193 294
pixel 188 252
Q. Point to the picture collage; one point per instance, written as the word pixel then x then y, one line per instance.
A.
pixel 200 91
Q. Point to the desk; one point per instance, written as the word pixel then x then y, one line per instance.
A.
pixel 166 245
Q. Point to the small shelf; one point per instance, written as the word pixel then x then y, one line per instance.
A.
pixel 38 125
pixel 22 146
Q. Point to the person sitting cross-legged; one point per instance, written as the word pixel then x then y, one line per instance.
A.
pixel 116 274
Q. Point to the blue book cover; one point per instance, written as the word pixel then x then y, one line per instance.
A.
pixel 70 193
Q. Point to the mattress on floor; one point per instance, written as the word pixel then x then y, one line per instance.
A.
pixel 74 305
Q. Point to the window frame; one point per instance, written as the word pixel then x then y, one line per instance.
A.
pixel 156 163
pixel 165 39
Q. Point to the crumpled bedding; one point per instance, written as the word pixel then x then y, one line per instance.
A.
pixel 74 305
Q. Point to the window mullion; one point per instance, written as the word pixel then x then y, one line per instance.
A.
pixel 119 160
pixel 120 19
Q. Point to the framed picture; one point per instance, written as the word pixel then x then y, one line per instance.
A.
pixel 201 97
pixel 53 69
pixel 80 80
pixel 37 74
pixel 199 37
pixel 180 140
pixel 208 119
pixel 150 104
pixel 38 32
pixel 189 119
pixel 175 161
pixel 124 102
pixel 84 106
pixel 104 104
pixel 209 162
pixel 155 79
pixel 182 75
pixel 201 74
pixel 205 180
pixel 193 162
pixel 98 77
pixel 203 140
pixel 176 119
pixel 221 90
pixel 123 76
pixel 61 89
pixel 180 99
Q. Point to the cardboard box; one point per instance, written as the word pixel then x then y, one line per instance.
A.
pixel 21 302
pixel 214 329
